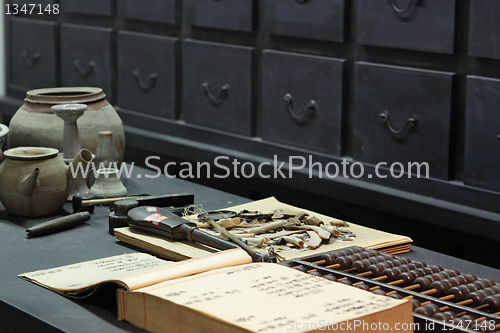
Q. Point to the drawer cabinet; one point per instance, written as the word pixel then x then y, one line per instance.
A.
pixel 146 73
pixel 33 60
pixel 482 133
pixel 94 7
pixel 86 59
pixel 217 86
pixel 402 115
pixel 227 14
pixel 484 29
pixel 423 25
pixel 162 11
pixel 319 19
pixel 301 101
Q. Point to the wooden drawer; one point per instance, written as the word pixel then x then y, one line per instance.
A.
pixel 321 19
pixel 423 25
pixel 227 14
pixel 484 29
pixel 33 60
pixel 482 133
pixel 146 73
pixel 402 115
pixel 94 7
pixel 301 101
pixel 163 11
pixel 217 86
pixel 86 59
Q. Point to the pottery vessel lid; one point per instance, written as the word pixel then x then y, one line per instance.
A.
pixel 64 95
pixel 31 153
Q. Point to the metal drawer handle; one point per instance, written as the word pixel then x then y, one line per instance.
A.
pixel 302 115
pixel 146 86
pixel 224 91
pixel 404 12
pixel 30 62
pixel 84 72
pixel 410 122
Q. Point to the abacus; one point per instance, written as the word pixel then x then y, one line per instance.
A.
pixel 442 299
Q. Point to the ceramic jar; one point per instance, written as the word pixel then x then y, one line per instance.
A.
pixel 34 180
pixel 35 125
pixel 107 184
pixel 4 130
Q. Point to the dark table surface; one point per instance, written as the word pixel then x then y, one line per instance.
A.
pixel 26 307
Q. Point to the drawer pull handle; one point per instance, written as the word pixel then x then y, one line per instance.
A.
pixel 224 91
pixel 399 10
pixel 302 115
pixel 84 72
pixel 30 62
pixel 146 86
pixel 410 122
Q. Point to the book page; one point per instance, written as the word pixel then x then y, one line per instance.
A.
pixel 135 270
pixel 79 277
pixel 263 297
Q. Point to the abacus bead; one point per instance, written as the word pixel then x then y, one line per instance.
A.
pixel 301 268
pixel 449 274
pixel 315 273
pixel 360 265
pixel 373 253
pixel 330 277
pixel 379 292
pixel 363 286
pixel 357 248
pixel 490 281
pixel 459 292
pixel 328 258
pixel 358 256
pixel 494 302
pixel 344 262
pixel 388 256
pixel 423 282
pixel 377 269
pixel 415 303
pixel 420 264
pixel 470 278
pixel 343 253
pixel 428 310
pixel 441 287
pixel 468 318
pixel 407 278
pixel 477 297
pixel 349 283
pixel 373 260
pixel 442 316
pixel 396 296
pixel 391 274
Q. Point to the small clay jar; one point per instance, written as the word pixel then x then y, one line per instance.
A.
pixel 107 184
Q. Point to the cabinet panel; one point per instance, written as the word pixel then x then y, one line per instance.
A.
pixel 95 7
pixel 482 133
pixel 301 101
pixel 227 14
pixel 146 73
pixel 33 60
pixel 402 115
pixel 319 19
pixel 163 11
pixel 484 29
pixel 424 25
pixel 217 86
pixel 86 58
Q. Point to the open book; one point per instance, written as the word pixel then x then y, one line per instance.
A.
pixel 226 293
pixel 181 250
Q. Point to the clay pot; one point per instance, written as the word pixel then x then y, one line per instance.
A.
pixel 108 184
pixel 35 125
pixel 4 130
pixel 34 180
